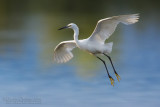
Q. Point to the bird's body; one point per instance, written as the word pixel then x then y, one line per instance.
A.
pixel 95 44
pixel 95 47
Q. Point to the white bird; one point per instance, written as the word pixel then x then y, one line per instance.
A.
pixel 95 44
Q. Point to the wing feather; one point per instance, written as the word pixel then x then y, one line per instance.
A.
pixel 105 27
pixel 62 52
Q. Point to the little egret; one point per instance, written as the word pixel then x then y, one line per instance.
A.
pixel 95 44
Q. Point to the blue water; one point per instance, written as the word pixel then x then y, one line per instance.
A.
pixel 22 74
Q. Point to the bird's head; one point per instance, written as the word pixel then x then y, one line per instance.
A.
pixel 71 25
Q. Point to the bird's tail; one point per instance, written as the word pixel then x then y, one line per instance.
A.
pixel 128 19
pixel 108 47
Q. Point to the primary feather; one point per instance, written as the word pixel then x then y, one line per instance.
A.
pixel 62 52
pixel 105 27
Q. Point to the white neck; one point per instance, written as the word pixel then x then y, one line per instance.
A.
pixel 76 33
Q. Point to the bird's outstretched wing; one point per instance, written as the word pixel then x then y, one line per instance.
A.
pixel 105 27
pixel 62 52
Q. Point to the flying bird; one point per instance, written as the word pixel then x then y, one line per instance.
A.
pixel 95 44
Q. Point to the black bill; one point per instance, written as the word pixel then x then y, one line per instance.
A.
pixel 63 28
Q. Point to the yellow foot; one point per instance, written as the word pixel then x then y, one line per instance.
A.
pixel 118 77
pixel 112 80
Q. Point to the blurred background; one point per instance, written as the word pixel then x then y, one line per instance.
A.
pixel 28 36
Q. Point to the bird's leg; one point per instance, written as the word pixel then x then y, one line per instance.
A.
pixel 111 79
pixel 118 77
